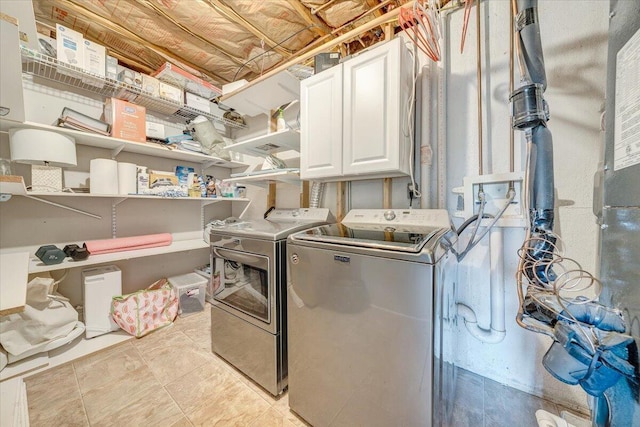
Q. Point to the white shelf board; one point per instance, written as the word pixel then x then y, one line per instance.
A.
pixel 77 348
pixel 268 144
pixel 14 185
pixel 204 200
pixel 263 179
pixel 146 148
pixel 262 97
pixel 37 266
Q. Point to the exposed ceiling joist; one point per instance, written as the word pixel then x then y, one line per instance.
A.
pixel 318 25
pixel 331 44
pixel 233 16
pixel 123 31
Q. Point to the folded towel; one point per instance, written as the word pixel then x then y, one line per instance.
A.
pixel 106 246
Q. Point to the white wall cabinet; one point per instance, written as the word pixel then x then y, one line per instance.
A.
pixel 355 120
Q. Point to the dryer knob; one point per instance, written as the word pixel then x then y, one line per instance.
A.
pixel 389 215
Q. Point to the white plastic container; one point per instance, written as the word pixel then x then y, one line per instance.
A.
pixel 100 286
pixel 191 288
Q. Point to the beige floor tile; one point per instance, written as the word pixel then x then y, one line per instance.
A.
pixel 201 385
pixel 62 412
pixel 54 398
pixel 156 409
pixel 157 339
pixel 272 418
pixel 183 422
pixel 113 396
pixel 96 373
pixel 236 405
pixel 49 386
pixel 175 360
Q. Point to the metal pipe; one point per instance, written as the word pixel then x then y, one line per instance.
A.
pixel 512 34
pixel 479 78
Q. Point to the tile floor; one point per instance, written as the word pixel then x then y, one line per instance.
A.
pixel 171 378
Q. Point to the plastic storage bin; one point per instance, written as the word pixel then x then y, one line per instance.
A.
pixel 191 288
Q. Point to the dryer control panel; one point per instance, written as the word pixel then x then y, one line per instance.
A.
pixel 301 214
pixel 405 220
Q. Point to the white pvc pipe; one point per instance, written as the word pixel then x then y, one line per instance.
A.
pixel 497 330
pixel 497 279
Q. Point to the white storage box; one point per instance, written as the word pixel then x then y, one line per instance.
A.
pixel 100 285
pixel 191 288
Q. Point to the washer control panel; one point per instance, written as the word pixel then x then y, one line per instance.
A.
pixel 401 220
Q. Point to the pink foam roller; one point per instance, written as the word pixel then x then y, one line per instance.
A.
pixel 106 246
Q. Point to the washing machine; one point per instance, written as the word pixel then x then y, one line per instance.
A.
pixel 369 303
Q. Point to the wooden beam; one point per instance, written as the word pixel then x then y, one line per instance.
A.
pixel 304 195
pixel 319 26
pixel 387 17
pixel 386 193
pixel 374 5
pixel 271 195
pixel 341 202
pixel 234 17
pixel 92 17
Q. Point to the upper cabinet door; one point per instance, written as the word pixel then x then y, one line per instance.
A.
pixel 373 110
pixel 321 125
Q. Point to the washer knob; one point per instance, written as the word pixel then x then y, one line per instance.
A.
pixel 389 215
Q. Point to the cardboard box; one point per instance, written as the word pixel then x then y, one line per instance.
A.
pixel 170 92
pixel 151 85
pixel 112 68
pixel 127 120
pixel 178 77
pixel 197 102
pixel 95 58
pixel 161 180
pixel 155 130
pixel 69 46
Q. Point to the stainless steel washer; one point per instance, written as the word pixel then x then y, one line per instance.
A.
pixel 366 299
pixel 248 317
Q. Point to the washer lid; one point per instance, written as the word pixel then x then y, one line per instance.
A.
pixel 411 242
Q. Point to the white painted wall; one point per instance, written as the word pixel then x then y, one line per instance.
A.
pixel 574 37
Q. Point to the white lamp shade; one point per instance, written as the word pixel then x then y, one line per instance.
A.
pixel 36 146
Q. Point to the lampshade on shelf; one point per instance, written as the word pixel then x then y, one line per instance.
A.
pixel 47 152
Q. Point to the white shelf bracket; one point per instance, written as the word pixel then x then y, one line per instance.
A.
pixel 69 208
pixel 116 151
pixel 245 208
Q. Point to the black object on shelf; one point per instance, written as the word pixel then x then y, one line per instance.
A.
pixel 77 253
pixel 50 254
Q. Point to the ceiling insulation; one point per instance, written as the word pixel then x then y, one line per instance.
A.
pixel 219 40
